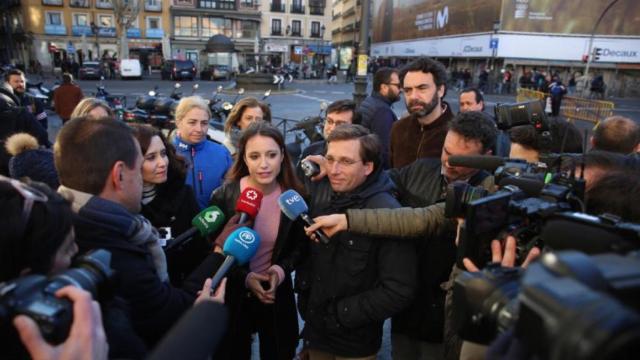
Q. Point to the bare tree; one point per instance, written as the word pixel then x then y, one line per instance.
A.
pixel 126 12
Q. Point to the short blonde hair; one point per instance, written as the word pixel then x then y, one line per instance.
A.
pixel 189 103
pixel 85 106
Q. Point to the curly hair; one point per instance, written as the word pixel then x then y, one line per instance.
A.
pixel 427 66
pixel 475 125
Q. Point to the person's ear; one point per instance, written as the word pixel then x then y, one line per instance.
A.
pixel 368 168
pixel 116 174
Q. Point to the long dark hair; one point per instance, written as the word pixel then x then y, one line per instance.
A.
pixel 33 244
pixel 177 168
pixel 287 176
pixel 238 110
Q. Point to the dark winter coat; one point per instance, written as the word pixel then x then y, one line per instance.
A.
pixel 353 283
pixel 174 206
pixel 377 116
pixel 155 305
pixel 419 185
pixel 411 140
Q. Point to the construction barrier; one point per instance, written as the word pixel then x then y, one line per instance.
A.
pixel 573 108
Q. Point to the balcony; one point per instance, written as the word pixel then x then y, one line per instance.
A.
pixel 316 10
pixel 335 31
pixel 50 29
pixel 296 33
pixel 184 3
pixel 297 9
pixel 53 2
pixel 79 3
pixel 217 5
pixel 350 11
pixel 277 7
pixel 248 5
pixel 336 16
pixel 348 28
pixel 153 6
pixel 276 32
pixel 315 35
pixel 104 4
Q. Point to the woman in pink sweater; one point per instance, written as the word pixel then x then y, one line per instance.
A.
pixel 260 294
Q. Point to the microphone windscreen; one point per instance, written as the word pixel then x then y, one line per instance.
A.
pixel 196 335
pixel 242 244
pixel 208 220
pixel 484 162
pixel 249 202
pixel 292 204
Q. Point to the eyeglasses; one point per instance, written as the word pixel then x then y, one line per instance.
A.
pixel 30 196
pixel 345 162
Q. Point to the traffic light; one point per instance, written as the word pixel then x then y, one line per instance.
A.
pixel 596 54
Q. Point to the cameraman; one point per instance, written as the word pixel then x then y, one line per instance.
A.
pixel 528 144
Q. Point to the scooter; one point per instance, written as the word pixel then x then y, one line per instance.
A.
pixel 40 93
pixel 305 131
pixel 117 103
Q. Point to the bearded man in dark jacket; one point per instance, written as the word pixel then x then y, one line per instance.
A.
pixel 353 283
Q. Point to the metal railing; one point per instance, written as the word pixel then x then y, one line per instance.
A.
pixel 573 108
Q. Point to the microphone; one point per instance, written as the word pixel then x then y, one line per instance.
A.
pixel 248 204
pixel 239 248
pixel 293 206
pixel 199 330
pixel 206 222
pixel 484 162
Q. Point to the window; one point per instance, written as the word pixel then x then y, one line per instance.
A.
pixel 276 27
pixel 104 4
pixel 297 7
pixel 315 29
pixel 152 5
pixel 296 28
pixel 185 25
pixel 215 25
pixel 249 29
pixel 153 22
pixel 52 2
pixel 80 20
pixel 105 20
pixel 53 18
pixel 183 2
pixel 79 3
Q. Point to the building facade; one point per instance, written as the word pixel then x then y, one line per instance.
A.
pixel 296 32
pixel 345 30
pixel 194 22
pixel 14 39
pixel 87 30
pixel 520 35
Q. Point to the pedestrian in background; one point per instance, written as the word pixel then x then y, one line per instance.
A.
pixel 66 97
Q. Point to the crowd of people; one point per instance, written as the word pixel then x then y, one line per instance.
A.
pixel 378 195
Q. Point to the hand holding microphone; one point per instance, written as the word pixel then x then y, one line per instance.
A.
pixel 293 206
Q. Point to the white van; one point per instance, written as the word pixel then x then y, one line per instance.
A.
pixel 130 68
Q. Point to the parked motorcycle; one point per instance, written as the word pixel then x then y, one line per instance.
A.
pixel 117 103
pixel 305 132
pixel 40 93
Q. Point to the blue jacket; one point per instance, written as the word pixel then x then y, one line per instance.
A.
pixel 377 116
pixel 208 164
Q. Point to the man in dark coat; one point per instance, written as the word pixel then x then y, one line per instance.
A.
pixel 353 283
pixel 15 119
pixel 16 79
pixel 99 165
pixel 375 111
pixel 421 133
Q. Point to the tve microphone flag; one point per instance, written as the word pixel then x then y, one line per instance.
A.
pixel 206 222
pixel 239 248
pixel 248 204
pixel 293 206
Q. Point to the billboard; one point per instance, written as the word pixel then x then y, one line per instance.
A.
pixel 397 20
pixel 571 16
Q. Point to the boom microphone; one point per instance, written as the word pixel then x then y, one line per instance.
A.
pixel 206 222
pixel 239 248
pixel 484 162
pixel 293 206
pixel 199 331
pixel 248 204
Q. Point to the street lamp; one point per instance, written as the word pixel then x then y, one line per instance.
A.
pixel 589 51
pixel 95 29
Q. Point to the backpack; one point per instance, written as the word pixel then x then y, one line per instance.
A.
pixel 557 90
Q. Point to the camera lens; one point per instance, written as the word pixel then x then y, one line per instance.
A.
pixel 90 271
pixel 459 195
